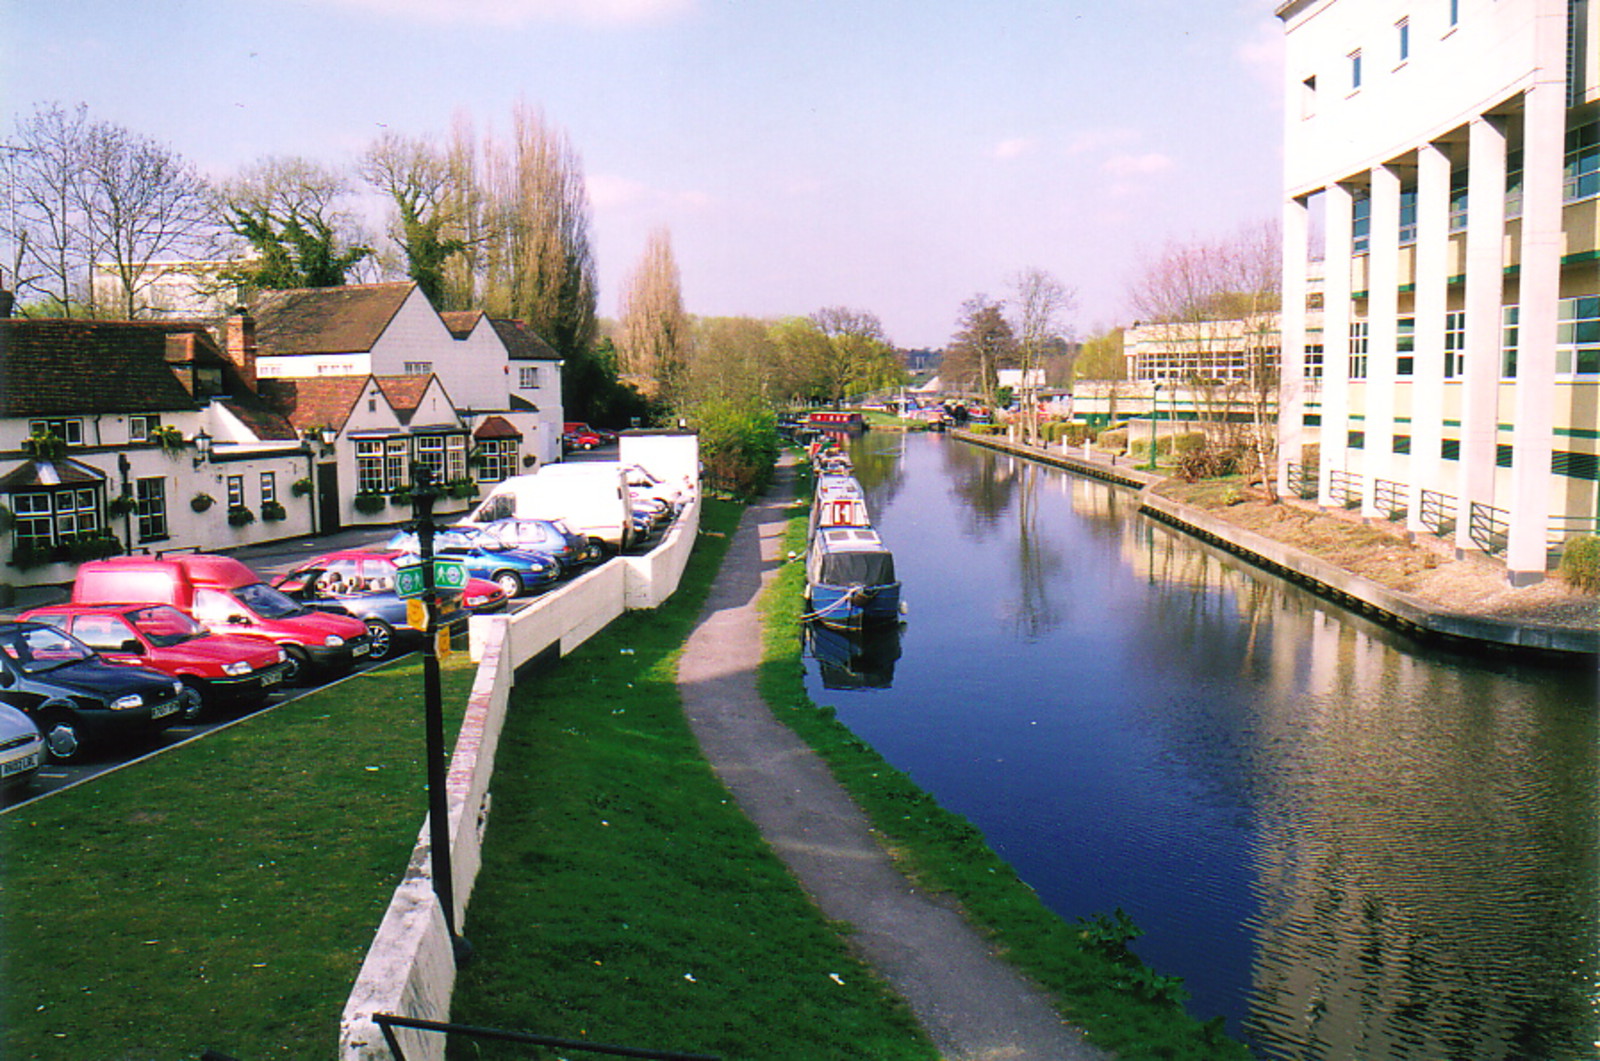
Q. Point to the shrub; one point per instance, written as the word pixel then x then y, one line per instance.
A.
pixel 368 503
pixel 8 520
pixel 83 547
pixel 240 516
pixel 461 488
pixel 1580 563
pixel 738 445
pixel 400 496
pixel 1212 462
pixel 272 511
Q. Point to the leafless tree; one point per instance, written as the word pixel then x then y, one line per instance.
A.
pixel 1040 303
pixel 983 344
pixel 48 234
pixel 418 178
pixel 654 341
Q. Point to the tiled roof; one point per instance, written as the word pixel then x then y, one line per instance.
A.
pixel 496 427
pixel 49 473
pixel 64 367
pixel 461 321
pixel 520 341
pixel 265 423
pixel 404 392
pixel 326 320
pixel 309 404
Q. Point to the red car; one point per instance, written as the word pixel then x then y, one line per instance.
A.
pixel 217 670
pixel 579 436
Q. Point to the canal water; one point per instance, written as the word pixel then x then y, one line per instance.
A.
pixel 1350 846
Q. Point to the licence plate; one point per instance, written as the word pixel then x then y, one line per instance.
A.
pixel 360 650
pixel 272 677
pixel 163 710
pixel 17 766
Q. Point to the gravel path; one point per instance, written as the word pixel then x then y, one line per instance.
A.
pixel 972 1003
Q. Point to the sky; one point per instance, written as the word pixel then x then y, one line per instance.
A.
pixel 893 156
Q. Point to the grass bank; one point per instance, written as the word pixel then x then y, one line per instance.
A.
pixel 626 899
pixel 1098 984
pixel 221 895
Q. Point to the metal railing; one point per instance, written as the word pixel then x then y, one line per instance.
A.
pixel 1390 497
pixel 1488 526
pixel 1300 480
pixel 1344 488
pixel 387 1022
pixel 1438 512
pixel 1565 528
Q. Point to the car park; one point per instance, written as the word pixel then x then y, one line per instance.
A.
pixel 21 749
pixel 514 571
pixel 590 497
pixel 76 699
pixel 225 596
pixel 362 582
pixel 218 671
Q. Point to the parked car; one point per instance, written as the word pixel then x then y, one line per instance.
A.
pixel 77 699
pixel 361 581
pixel 21 749
pixel 591 497
pixel 217 670
pixel 227 597
pixel 514 571
pixel 579 436
pixel 552 537
pixel 644 483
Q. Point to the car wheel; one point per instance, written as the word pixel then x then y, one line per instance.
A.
pixel 381 636
pixel 191 700
pixel 59 725
pixel 510 583
pixel 298 665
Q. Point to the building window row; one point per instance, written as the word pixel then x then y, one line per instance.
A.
pixel 382 464
pixel 1578 336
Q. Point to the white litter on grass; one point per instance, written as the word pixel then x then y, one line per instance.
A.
pixel 836 979
pixel 690 977
pixel 624 651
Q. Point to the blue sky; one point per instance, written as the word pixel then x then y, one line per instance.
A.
pixel 896 156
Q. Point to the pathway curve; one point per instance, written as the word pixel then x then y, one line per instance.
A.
pixel 974 1006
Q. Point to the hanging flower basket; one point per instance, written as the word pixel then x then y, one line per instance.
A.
pixel 44 446
pixel 169 438
pixel 300 487
pixel 119 506
pixel 272 512
pixel 201 502
pixel 240 516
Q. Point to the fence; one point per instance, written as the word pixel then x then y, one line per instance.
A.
pixel 1344 488
pixel 1487 526
pixel 1438 512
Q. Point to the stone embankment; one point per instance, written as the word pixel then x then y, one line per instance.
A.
pixel 1416 584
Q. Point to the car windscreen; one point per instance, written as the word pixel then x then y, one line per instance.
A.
pixel 165 626
pixel 35 649
pixel 266 602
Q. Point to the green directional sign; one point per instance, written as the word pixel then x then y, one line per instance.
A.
pixel 449 576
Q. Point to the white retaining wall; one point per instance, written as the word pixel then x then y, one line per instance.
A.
pixel 409 969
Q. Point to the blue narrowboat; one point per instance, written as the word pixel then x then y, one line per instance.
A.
pixel 850 580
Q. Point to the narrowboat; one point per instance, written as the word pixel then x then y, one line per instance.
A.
pixel 850 580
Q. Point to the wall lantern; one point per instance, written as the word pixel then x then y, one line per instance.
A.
pixel 202 447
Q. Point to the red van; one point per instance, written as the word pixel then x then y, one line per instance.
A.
pixel 226 597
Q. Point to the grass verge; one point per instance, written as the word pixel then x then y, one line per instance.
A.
pixel 626 899
pixel 221 895
pixel 1097 983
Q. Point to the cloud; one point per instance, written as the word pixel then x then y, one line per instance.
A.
pixel 608 191
pixel 512 14
pixel 1016 147
pixel 1137 165
pixel 1095 140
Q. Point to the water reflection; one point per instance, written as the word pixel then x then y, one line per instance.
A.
pixel 1352 847
pixel 854 659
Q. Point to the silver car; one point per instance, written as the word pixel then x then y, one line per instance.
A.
pixel 21 748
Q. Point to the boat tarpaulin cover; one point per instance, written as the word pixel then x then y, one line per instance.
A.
pixel 857 569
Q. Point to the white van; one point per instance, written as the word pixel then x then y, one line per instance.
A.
pixel 590 496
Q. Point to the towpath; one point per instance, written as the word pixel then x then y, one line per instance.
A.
pixel 974 1006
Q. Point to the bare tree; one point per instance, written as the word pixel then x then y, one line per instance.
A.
pixel 49 235
pixel 1040 303
pixel 140 202
pixel 860 357
pixel 294 214
pixel 654 344
pixel 983 345
pixel 417 177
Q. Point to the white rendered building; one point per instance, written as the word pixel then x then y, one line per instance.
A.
pixel 1446 154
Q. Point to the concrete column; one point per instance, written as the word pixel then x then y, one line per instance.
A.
pixel 1383 305
pixel 1292 338
pixel 1539 289
pixel 1431 302
pixel 1486 210
pixel 1335 337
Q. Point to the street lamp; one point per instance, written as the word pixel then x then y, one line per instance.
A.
pixel 1155 401
pixel 202 447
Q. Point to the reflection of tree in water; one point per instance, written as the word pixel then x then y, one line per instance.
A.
pixel 982 482
pixel 879 469
pixel 1036 611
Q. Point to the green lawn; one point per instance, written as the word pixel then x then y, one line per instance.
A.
pixel 222 895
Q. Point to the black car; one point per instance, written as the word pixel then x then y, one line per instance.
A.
pixel 76 698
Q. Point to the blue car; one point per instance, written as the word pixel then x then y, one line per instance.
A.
pixel 487 557
pixel 551 538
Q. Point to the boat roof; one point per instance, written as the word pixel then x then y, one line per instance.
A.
pixel 851 540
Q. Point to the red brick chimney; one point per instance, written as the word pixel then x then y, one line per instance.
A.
pixel 240 346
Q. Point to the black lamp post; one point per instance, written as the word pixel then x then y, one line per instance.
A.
pixel 423 495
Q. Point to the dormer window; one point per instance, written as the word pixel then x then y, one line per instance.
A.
pixel 68 431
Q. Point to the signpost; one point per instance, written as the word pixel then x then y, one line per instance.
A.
pixel 449 576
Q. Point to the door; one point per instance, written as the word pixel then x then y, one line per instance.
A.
pixel 328 507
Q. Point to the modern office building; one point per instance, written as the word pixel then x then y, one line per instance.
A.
pixel 1442 162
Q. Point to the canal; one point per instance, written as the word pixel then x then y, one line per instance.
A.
pixel 1350 846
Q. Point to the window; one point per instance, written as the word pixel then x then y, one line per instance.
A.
pixel 1405 346
pixel 1450 449
pixel 1356 439
pixel 1403 43
pixel 1408 216
pixel 141 425
pixel 497 458
pixel 1358 349
pixel 455 464
pixel 1313 361
pixel 430 454
pixel 1360 221
pixel 33 523
pixel 68 431
pixel 418 368
pixel 1581 177
pixel 1455 342
pixel 1455 13
pixel 369 466
pixel 1508 342
pixel 1308 97
pixel 1514 183
pixel 1355 69
pixel 47 518
pixel 1458 200
pixel 395 472
pixel 235 491
pixel 150 503
pixel 1578 336
pixel 269 487
pixel 1401 444
pixel 528 377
